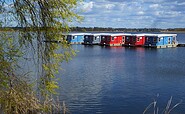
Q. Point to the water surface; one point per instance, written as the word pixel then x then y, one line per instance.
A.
pixel 117 80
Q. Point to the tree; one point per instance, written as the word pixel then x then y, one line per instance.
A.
pixel 39 20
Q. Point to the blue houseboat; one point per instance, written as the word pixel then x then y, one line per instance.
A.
pixel 75 38
pixel 92 39
pixel 160 40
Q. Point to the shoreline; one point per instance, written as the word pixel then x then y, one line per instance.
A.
pixel 96 29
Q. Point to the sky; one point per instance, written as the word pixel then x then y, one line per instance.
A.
pixel 133 13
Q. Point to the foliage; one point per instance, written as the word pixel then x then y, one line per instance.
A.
pixel 47 20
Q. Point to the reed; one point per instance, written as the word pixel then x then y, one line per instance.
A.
pixel 167 110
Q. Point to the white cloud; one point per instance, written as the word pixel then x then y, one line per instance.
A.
pixel 153 1
pixel 155 6
pixel 158 13
pixel 87 6
pixel 140 13
pixel 109 6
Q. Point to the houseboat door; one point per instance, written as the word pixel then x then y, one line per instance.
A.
pixel 102 40
pixel 69 38
pixel 123 40
pixel 120 40
pixel 169 40
pixel 96 39
pixel 86 39
pixel 173 40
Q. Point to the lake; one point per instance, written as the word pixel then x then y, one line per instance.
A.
pixel 123 80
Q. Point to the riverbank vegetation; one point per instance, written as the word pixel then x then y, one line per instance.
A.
pixel 29 65
pixel 153 108
pixel 110 29
pixel 100 29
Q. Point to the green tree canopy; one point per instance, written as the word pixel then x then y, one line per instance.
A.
pixel 39 20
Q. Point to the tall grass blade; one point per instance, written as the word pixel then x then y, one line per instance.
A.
pixel 148 107
pixel 174 106
pixel 168 105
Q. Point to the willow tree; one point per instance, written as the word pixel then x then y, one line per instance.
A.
pixel 39 20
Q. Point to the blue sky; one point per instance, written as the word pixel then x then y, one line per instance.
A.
pixel 133 13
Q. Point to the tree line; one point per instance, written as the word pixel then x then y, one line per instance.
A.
pixel 110 29
pixel 98 29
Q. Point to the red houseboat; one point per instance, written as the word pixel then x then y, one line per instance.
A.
pixel 135 40
pixel 113 39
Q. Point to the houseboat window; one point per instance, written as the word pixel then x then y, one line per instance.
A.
pixel 95 38
pixel 169 40
pixel 134 38
pixel 159 39
pixel 174 38
pixel 103 38
pixel 123 39
pixel 155 39
pixel 112 38
pixel 68 37
pixel 148 39
pixel 74 37
pixel 107 38
pixel 138 39
pixel 127 38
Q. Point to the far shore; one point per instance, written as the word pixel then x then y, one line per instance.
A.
pixel 173 31
pixel 96 29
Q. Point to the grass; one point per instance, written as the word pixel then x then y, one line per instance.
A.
pixel 167 109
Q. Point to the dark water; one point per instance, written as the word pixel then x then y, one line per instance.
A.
pixel 119 80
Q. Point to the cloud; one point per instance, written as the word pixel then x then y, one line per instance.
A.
pixel 109 6
pixel 133 13
pixel 117 0
pixel 140 13
pixel 87 6
pixel 155 6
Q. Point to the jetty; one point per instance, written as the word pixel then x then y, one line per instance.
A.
pixel 181 45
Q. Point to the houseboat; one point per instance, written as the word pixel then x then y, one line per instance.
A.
pixel 161 40
pixel 117 39
pixel 137 39
pixel 92 39
pixel 129 39
pixel 75 38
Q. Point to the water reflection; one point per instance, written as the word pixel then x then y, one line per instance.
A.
pixel 120 79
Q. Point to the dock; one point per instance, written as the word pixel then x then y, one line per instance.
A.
pixel 52 41
pixel 181 45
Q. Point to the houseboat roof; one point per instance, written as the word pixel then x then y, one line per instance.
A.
pixel 158 35
pixel 117 34
pixel 99 34
pixel 161 35
pixel 76 34
pixel 128 34
pixel 145 34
